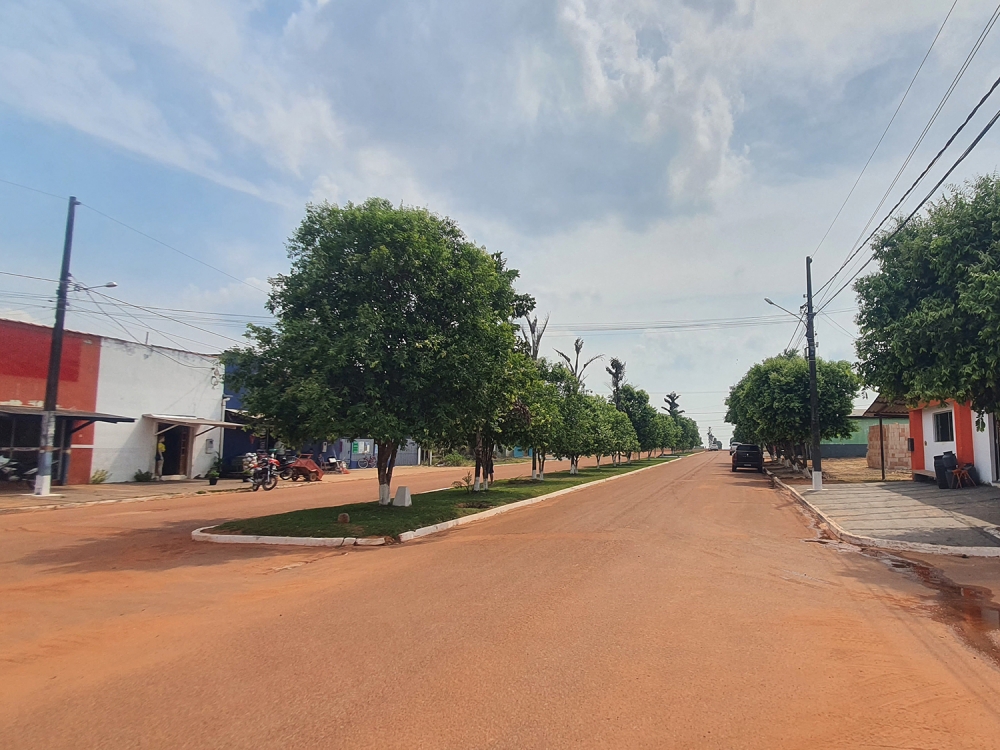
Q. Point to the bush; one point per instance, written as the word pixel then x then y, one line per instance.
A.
pixel 453 459
pixel 143 476
pixel 99 477
pixel 466 483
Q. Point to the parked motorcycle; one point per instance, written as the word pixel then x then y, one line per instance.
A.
pixel 263 471
pixel 12 471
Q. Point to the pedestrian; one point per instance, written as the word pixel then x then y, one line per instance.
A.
pixel 161 449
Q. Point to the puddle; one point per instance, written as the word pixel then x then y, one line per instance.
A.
pixel 970 610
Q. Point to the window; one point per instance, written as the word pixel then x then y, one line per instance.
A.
pixel 944 431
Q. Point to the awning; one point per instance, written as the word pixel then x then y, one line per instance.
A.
pixel 89 416
pixel 183 419
pixel 881 407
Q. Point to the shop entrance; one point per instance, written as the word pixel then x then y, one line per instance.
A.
pixel 177 441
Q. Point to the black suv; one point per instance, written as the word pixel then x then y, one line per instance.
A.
pixel 748 456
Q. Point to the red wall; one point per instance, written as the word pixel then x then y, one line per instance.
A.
pixel 917 434
pixel 964 451
pixel 24 364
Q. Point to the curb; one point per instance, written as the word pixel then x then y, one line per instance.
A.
pixel 888 544
pixel 200 535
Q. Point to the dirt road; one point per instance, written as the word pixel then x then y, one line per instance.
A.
pixel 683 607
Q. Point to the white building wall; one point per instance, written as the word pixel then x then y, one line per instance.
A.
pixel 932 448
pixel 136 380
pixel 982 445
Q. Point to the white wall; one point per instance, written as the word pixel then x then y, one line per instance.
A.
pixel 982 444
pixel 932 448
pixel 134 380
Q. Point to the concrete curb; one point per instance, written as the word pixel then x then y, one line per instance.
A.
pixel 200 535
pixel 445 525
pixel 888 544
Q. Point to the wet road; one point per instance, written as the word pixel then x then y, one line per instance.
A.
pixel 685 607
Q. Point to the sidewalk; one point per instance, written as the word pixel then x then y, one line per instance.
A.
pixel 910 516
pixel 21 499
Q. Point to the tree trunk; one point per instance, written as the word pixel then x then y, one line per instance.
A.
pixel 573 463
pixel 386 462
pixel 541 466
pixel 534 463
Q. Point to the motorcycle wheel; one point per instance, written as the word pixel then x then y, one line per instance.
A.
pixel 286 474
pixel 255 485
pixel 270 483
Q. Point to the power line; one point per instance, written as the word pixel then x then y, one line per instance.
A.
pixel 171 247
pixel 947 95
pixel 889 125
pixel 929 195
pixel 25 276
pixel 167 317
pixel 34 190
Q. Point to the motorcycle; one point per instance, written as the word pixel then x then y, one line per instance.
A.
pixel 11 471
pixel 285 464
pixel 263 471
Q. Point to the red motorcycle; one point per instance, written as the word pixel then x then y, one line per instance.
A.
pixel 263 471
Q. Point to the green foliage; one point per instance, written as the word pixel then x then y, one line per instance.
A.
pixel 142 476
pixel 454 459
pixel 465 483
pixel 770 404
pixel 668 432
pixel 576 436
pixel 390 324
pixel 930 316
pixel 100 476
pixel 643 416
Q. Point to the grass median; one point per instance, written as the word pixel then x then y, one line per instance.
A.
pixel 429 508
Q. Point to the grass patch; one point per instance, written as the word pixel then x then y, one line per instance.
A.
pixel 429 508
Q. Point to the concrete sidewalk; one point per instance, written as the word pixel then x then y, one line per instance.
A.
pixel 911 516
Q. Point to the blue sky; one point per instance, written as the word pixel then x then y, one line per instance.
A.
pixel 638 161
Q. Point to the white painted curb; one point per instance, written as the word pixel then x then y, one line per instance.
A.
pixel 200 535
pixel 890 544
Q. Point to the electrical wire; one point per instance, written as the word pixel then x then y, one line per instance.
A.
pixel 889 125
pixel 34 190
pixel 171 247
pixel 858 244
pixel 25 276
pixel 929 195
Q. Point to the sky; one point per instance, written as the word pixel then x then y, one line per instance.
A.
pixel 642 163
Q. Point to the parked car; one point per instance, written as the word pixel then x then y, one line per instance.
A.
pixel 748 457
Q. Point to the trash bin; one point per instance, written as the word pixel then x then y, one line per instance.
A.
pixel 940 473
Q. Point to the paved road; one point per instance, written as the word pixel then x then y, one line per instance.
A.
pixel 681 607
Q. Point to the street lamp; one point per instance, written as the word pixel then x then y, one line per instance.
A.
pixel 775 304
pixel 78 287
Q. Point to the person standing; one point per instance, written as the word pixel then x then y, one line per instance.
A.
pixel 161 449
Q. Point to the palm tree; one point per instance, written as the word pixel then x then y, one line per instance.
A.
pixel 533 336
pixel 574 366
pixel 617 373
pixel 671 399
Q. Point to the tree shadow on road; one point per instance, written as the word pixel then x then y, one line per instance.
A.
pixel 164 547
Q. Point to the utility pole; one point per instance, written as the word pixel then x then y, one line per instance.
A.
pixel 817 459
pixel 43 479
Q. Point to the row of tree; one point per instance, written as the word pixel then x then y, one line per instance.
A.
pixel 392 325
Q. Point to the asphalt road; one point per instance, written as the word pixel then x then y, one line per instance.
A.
pixel 684 607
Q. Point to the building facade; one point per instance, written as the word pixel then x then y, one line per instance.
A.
pixel 117 401
pixel 949 426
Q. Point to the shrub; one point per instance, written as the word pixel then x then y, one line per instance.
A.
pixel 453 459
pixel 100 476
pixel 465 483
pixel 143 476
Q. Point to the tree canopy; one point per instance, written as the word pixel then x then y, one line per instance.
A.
pixel 929 317
pixel 770 404
pixel 390 324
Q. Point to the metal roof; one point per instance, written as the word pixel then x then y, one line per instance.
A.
pixel 37 411
pixel 880 407
pixel 193 421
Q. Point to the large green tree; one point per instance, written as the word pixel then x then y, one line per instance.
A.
pixel 390 324
pixel 929 317
pixel 770 404
pixel 643 416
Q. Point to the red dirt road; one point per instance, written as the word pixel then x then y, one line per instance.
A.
pixel 684 607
